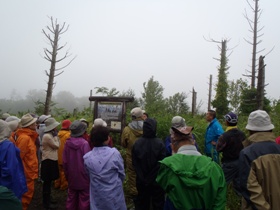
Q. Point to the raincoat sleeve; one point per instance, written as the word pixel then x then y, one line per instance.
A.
pixel 51 141
pixel 125 137
pixel 8 164
pixel 120 166
pixel 65 161
pixel 220 200
pixel 86 147
pixel 256 193
pixel 221 144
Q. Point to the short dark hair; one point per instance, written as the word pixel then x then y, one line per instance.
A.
pixel 98 135
pixel 212 113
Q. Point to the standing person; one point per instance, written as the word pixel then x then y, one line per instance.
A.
pixel 191 180
pixel 176 122
pixel 146 153
pixel 145 115
pixel 25 138
pixel 11 167
pixel 230 144
pixel 106 171
pixel 40 130
pixel 99 121
pixel 61 183
pixel 259 165
pixel 213 132
pixel 49 167
pixel 86 135
pixel 73 163
pixel 130 133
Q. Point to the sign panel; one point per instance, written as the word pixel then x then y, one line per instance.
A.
pixel 111 112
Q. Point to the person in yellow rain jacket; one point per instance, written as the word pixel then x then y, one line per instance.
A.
pixel 63 134
pixel 25 138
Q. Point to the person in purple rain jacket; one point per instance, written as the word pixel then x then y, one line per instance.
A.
pixel 73 163
pixel 106 171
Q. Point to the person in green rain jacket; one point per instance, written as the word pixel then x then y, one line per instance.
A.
pixel 191 180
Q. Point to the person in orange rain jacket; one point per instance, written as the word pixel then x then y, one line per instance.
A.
pixel 25 138
pixel 63 134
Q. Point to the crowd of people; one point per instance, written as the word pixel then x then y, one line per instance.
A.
pixel 161 175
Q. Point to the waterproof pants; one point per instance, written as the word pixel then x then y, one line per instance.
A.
pixel 77 199
pixel 27 197
pixel 149 194
pixel 61 182
pixel 131 183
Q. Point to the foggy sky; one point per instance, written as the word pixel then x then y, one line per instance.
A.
pixel 123 43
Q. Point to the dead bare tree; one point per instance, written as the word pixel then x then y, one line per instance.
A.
pixel 253 24
pixel 53 35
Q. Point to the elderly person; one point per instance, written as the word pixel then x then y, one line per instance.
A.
pixel 49 165
pixel 259 166
pixel 24 139
pixel 191 180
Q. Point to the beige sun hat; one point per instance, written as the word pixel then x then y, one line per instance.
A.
pixel 27 120
pixel 51 124
pixel 136 112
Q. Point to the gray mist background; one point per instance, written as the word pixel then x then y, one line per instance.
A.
pixel 123 43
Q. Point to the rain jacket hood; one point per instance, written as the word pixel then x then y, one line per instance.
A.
pixel 191 175
pixel 136 126
pixel 64 134
pixel 75 143
pixel 104 157
pixel 5 131
pixel 193 182
pixel 149 128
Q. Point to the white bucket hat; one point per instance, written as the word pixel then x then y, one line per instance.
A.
pixel 51 124
pixel 99 121
pixel 259 120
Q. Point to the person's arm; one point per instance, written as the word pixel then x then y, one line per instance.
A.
pixel 22 143
pixel 124 137
pixel 220 200
pixel 65 161
pixel 11 162
pixel 244 163
pixel 120 165
pixel 51 141
pixel 221 144
pixel 256 192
